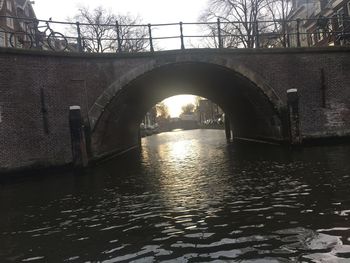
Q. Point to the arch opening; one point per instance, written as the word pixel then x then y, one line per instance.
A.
pixel 182 112
pixel 251 112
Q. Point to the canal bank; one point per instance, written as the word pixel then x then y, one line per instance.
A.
pixel 39 168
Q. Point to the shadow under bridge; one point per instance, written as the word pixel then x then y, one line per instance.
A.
pixel 251 111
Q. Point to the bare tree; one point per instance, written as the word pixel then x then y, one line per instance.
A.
pixel 133 35
pixel 240 19
pixel 99 31
pixel 188 108
pixel 277 11
pixel 162 111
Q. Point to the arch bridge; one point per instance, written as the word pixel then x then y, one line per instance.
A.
pixel 282 95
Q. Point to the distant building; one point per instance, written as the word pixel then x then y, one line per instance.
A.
pixel 9 11
pixel 189 117
pixel 322 22
pixel 7 8
pixel 208 112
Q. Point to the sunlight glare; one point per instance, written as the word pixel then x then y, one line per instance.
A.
pixel 175 103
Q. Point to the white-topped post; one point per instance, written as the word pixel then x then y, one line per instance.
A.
pixel 79 154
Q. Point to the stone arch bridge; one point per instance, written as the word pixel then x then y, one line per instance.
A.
pixel 114 92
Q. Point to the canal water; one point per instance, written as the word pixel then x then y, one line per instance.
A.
pixel 187 196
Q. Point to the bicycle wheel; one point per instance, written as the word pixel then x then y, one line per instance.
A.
pixel 57 41
pixel 21 40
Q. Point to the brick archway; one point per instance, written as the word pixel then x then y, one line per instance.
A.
pixel 105 98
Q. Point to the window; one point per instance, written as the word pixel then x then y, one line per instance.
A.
pixel 316 39
pixel 9 5
pixel 293 40
pixel 312 39
pixel 2 38
pixel 22 25
pixel 303 35
pixel 330 27
pixel 26 11
pixel 340 15
pixel 320 33
pixel 9 22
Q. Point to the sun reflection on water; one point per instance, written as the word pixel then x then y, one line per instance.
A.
pixel 180 177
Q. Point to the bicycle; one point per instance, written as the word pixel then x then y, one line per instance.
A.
pixel 23 39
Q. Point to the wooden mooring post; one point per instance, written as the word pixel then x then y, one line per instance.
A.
pixel 79 153
pixel 294 118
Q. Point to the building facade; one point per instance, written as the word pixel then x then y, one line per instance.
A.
pixel 319 23
pixel 10 13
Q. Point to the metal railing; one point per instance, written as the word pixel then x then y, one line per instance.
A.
pixel 153 37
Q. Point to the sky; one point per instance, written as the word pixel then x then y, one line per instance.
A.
pixel 150 11
pixel 175 103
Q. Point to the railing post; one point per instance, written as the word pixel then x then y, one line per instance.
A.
pixel 80 46
pixel 298 33
pixel 150 38
pixel 219 33
pixel 343 29
pixel 257 40
pixel 119 42
pixel 182 36
pixel 284 33
pixel 36 32
pixel 288 35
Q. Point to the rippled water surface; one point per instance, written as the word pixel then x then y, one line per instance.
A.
pixel 186 197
